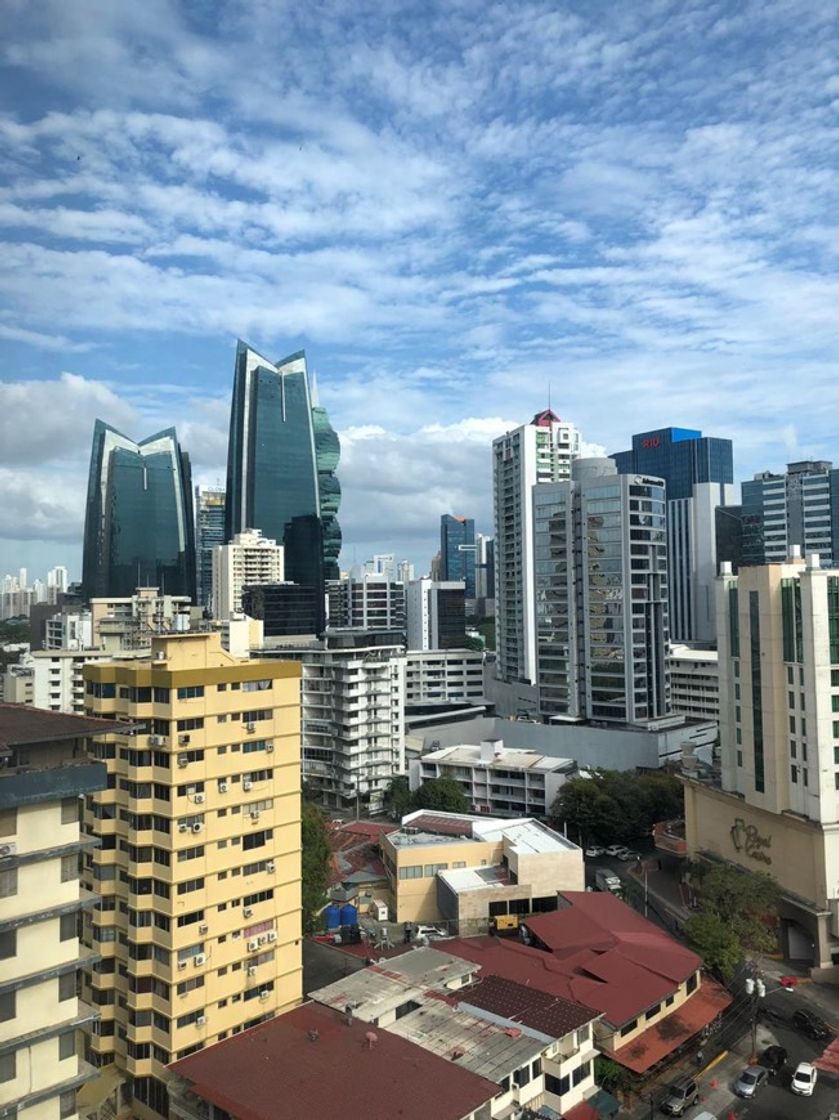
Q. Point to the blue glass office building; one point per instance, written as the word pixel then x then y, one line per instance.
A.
pixel 681 456
pixel 139 528
pixel 281 462
pixel 457 551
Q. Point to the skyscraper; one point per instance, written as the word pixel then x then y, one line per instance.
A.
pixel 800 508
pixel 457 551
pixel 601 595
pixel 209 531
pixel 139 527
pixel 699 473
pixel 541 451
pixel 281 462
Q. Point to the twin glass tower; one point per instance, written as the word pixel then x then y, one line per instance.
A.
pixel 281 462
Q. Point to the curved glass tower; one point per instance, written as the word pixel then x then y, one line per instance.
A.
pixel 281 463
pixel 139 527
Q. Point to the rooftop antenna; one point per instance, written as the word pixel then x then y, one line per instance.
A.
pixel 549 396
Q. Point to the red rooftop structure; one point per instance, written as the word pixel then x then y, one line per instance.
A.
pixel 312 1062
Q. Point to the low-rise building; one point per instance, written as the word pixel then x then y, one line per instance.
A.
pixel 441 678
pixel 317 1062
pixel 44 769
pixel 497 779
pixel 695 682
pixel 467 870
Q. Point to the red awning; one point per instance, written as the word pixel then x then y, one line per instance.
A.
pixel 674 1030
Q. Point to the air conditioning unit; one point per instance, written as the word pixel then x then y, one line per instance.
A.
pixel 223 787
pixel 181 966
pixel 250 726
pixel 198 827
pixel 183 740
pixel 269 748
pixel 262 939
pixel 7 850
pixel 271 935
pixel 254 814
pixel 183 760
pixel 247 784
pixel 248 912
pixel 203 928
pixel 199 799
pixel 251 970
pixel 183 827
pixel 264 994
pixel 160 655
pixel 199 960
pixel 253 944
pixel 156 740
pixel 201 1020
pixel 270 867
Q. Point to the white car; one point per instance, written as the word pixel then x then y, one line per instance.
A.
pixel 594 851
pixel 804 1079
pixel 433 933
pixel 615 849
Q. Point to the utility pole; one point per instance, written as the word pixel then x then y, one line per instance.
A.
pixel 756 989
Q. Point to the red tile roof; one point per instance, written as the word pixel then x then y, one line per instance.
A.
pixel 552 1015
pixel 21 724
pixel 445 826
pixel 276 1069
pixel 600 954
pixel 661 1039
pixel 582 1111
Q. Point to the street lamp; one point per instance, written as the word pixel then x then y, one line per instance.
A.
pixel 756 988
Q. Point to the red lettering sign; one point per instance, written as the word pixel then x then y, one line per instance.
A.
pixel 653 441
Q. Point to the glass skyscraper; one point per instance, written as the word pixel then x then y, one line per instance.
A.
pixel 457 551
pixel 281 462
pixel 209 531
pixel 139 528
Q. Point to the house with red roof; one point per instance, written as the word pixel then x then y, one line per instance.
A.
pixel 598 952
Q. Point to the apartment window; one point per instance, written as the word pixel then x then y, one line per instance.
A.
pixel 191 853
pixel 8 1066
pixel 194 723
pixel 653 1011
pixel 8 883
pixel 68 927
pixel 7 1006
pixel 190 985
pixel 66 1045
pixel 521 1076
pixel 790 675
pixel 411 872
pixel 69 810
pixel 222 687
pixel 581 1073
pixel 67 1104
pixel 69 867
pixel 191 692
pixel 559 1086
pixel 67 986
pixel 431 869
pixel 257 839
pixel 190 885
pixel 8 944
pixel 793 775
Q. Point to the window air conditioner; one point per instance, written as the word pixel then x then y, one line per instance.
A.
pixel 183 760
pixel 183 827
pixel 263 995
pixel 201 1020
pixel 203 928
pixel 223 787
pixel 250 726
pixel 248 911
pixel 7 850
pixel 247 784
pixel 270 867
pixel 160 655
pixel 253 944
pixel 251 970
pixel 199 959
pixel 199 799
pixel 269 748
pixel 197 827
pixel 254 814
pixel 271 935
pixel 156 740
pixel 181 965
pixel 183 740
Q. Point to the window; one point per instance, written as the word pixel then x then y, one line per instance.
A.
pixel 793 774
pixel 190 985
pixel 559 1086
pixel 67 986
pixel 68 927
pixel 255 686
pixel 629 1028
pixel 8 822
pixel 66 1045
pixel 411 872
pixel 521 1076
pixel 7 1006
pixel 8 883
pixel 581 1073
pixel 8 1066
pixel 191 692
pixel 190 885
pixel 69 867
pixel 194 723
pixel 653 1011
pixel 8 944
pixel 431 869
pixel 190 853
pixel 69 810
pixel 691 984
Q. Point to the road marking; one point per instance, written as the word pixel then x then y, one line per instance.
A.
pixel 716 1060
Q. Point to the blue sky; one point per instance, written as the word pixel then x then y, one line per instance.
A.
pixel 450 205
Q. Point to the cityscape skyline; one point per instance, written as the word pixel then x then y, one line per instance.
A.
pixel 454 218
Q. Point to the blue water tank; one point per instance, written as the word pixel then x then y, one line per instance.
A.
pixel 332 915
pixel 349 915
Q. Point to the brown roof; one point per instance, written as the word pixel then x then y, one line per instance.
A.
pixel 550 1014
pixel 446 826
pixel 20 724
pixel 278 1069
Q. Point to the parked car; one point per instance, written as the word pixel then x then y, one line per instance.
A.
pixel 594 852
pixel 628 854
pixel 681 1096
pixel 750 1080
pixel 433 933
pixel 615 849
pixel 804 1079
pixel 773 1059
pixel 810 1024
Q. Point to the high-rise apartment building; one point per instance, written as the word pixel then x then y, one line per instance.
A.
pixel 209 532
pixel 248 560
pixel 139 525
pixel 600 550
pixel 484 566
pixel 800 508
pixel 44 771
pixel 282 457
pixel 699 474
pixel 404 571
pixel 538 452
pixel 366 601
pixel 435 614
pixel 198 874
pixel 457 551
pixel 777 808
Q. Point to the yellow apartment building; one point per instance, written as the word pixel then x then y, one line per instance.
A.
pixel 44 769
pixel 198 874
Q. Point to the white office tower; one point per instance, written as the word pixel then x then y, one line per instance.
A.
pixel 777 810
pixel 539 452
pixel 405 571
pixel 382 564
pixel 57 581
pixel 600 548
pixel 436 614
pixel 366 601
pixel 248 559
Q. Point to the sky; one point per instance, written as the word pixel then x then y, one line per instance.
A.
pixel 456 208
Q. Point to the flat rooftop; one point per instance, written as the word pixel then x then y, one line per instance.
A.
pixel 21 724
pixel 526 835
pixel 508 758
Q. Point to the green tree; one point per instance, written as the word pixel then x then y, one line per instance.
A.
pixel 746 901
pixel 316 861
pixel 715 941
pixel 582 804
pixel 443 794
pixel 397 797
pixel 617 805
pixel 612 1077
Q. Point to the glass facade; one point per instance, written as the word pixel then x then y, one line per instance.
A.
pixel 209 531
pixel 139 528
pixel 681 456
pixel 457 551
pixel 282 456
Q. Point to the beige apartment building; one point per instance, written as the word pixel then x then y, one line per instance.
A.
pixel 463 870
pixel 44 769
pixel 199 869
